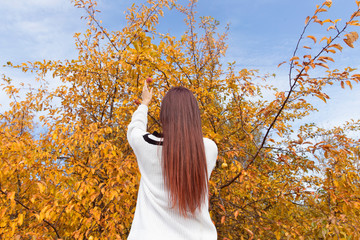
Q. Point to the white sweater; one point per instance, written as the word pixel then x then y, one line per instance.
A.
pixel 154 219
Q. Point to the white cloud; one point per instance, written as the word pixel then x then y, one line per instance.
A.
pixel 37 29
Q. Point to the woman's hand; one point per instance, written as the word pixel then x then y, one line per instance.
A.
pixel 146 94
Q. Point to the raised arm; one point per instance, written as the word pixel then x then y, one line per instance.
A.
pixel 138 125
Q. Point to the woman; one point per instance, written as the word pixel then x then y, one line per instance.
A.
pixel 175 167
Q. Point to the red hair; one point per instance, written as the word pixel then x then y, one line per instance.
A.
pixel 183 154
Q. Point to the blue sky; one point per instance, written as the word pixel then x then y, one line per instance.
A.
pixel 262 34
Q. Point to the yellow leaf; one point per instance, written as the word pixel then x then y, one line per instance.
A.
pixel 41 187
pixel 11 195
pixel 20 219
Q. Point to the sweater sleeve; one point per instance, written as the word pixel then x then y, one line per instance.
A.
pixel 211 154
pixel 138 125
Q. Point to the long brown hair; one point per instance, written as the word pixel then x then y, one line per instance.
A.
pixel 183 154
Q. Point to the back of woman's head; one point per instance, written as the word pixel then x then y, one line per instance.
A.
pixel 184 160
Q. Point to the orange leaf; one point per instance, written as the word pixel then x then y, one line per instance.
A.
pixel 320 10
pixel 328 3
pixel 321 97
pixel 330 59
pixel 306 47
pixel 322 58
pixel 356 76
pixel 330 50
pixel 349 84
pixel 349 43
pixel 337 46
pixel 329 40
pixel 331 27
pixel 354 23
pixel 251 233
pixel 318 21
pixel 312 37
pixel 325 59
pixel 281 63
pixel 356 14
pixel 355 35
pixel 222 207
pixel 323 65
pixel 352 36
pixel 307 20
pixel 324 38
pixel 236 213
pixel 342 84
pixel 327 20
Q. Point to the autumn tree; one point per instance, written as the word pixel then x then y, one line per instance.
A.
pixel 79 178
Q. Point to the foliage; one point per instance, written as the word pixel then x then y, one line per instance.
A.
pixel 79 178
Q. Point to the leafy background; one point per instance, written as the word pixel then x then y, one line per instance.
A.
pixel 68 173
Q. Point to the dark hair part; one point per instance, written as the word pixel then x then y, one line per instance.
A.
pixel 183 154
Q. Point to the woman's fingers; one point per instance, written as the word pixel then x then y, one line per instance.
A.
pixel 146 94
pixel 145 86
